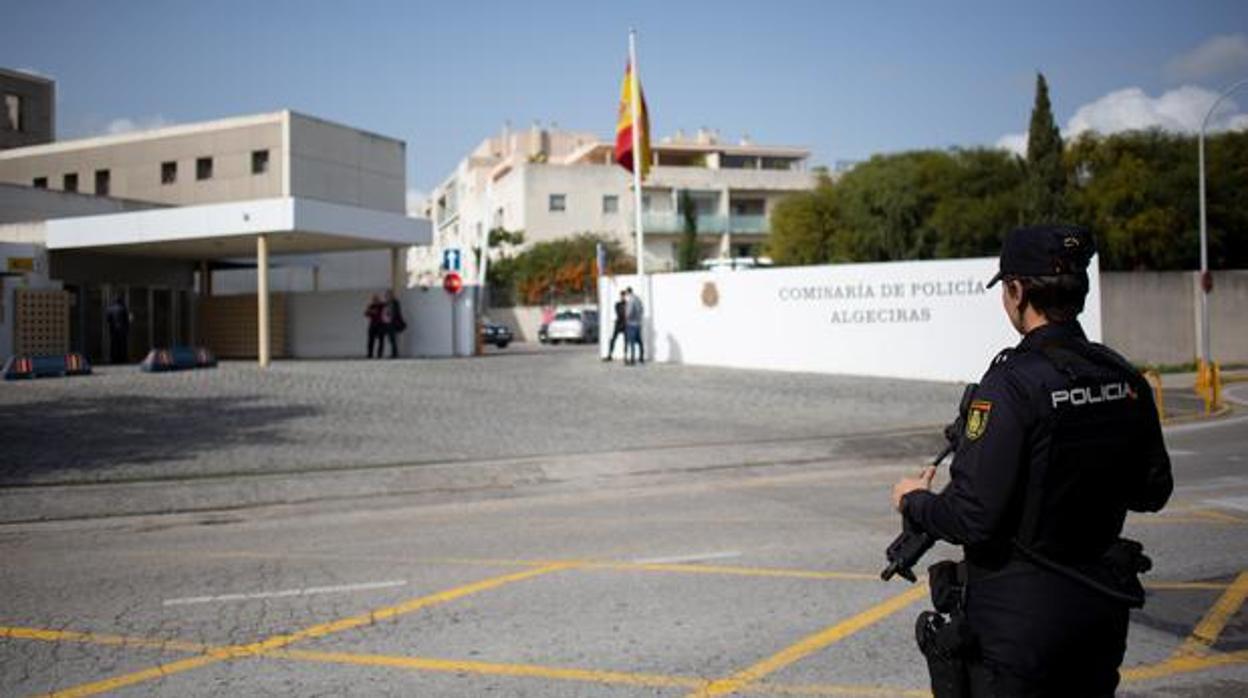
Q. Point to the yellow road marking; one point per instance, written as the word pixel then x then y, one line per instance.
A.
pixel 1216 515
pixel 1210 627
pixel 157 672
pixel 1181 586
pixel 493 669
pixel 729 570
pixel 373 617
pixel 819 689
pixel 1183 665
pixel 812 644
pixel 685 568
pixel 17 633
pixel 214 655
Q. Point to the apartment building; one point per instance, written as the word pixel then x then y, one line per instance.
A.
pixel 196 202
pixel 27 109
pixel 552 183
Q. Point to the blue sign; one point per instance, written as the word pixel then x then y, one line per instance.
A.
pixel 451 259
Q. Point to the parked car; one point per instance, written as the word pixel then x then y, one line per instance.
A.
pixel 496 333
pixel 574 325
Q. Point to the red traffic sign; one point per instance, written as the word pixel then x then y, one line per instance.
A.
pixel 452 283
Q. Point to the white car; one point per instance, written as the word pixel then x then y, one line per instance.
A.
pixel 579 326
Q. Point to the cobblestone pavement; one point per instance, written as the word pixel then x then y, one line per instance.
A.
pixel 123 424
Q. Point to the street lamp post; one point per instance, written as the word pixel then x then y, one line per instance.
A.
pixel 1205 348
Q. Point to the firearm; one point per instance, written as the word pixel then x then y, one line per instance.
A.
pixel 905 550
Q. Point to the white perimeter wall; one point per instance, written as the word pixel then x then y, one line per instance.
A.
pixel 932 320
pixel 331 324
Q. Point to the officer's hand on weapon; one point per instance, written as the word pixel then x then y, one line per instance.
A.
pixel 906 485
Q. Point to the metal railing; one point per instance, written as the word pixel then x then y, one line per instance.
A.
pixel 708 223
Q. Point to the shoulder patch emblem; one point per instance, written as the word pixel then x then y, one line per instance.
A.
pixel 977 418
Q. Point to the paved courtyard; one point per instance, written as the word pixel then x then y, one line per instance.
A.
pixel 754 572
pixel 525 401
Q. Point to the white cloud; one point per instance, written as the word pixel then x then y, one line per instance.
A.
pixel 1180 110
pixel 415 201
pixel 142 123
pixel 1218 57
pixel 1014 142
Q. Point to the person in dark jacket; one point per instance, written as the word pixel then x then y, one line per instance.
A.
pixel 392 323
pixel 1061 440
pixel 621 312
pixel 373 312
pixel 117 317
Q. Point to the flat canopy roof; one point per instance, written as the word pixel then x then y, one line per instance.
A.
pixel 217 231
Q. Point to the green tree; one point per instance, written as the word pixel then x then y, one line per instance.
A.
pixel 804 227
pixel 1046 176
pixel 689 254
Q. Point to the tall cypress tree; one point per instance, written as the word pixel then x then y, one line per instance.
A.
pixel 1046 177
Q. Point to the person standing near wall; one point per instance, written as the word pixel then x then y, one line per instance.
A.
pixel 373 312
pixel 392 323
pixel 118 318
pixel 621 313
pixel 634 348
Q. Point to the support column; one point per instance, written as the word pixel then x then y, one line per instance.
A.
pixel 203 277
pixel 262 297
pixel 396 270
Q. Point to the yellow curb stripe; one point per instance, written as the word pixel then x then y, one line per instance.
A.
pixel 1210 627
pixel 220 654
pixel 812 644
pixel 42 635
pixel 1183 665
pixel 492 669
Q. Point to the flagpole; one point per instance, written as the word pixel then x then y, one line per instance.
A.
pixel 635 98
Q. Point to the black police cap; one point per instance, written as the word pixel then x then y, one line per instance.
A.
pixel 1045 250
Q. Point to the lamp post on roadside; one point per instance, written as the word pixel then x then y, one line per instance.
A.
pixel 1205 281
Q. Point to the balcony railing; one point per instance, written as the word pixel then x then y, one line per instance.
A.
pixel 708 223
pixel 749 224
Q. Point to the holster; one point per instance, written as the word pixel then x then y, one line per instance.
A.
pixel 943 635
pixel 1116 574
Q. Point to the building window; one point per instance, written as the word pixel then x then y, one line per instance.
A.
pixel 39 183
pixel 610 203
pixel 558 202
pixel 70 182
pixel 102 178
pixel 203 168
pixel 259 161
pixel 12 112
pixel 168 172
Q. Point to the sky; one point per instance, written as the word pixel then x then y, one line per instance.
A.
pixel 846 80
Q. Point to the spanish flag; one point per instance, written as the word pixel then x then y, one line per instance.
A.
pixel 626 123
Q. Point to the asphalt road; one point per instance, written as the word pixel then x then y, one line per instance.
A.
pixel 751 580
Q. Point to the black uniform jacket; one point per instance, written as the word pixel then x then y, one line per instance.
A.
pixel 1061 440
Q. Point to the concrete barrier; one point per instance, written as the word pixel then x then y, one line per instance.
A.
pixel 1154 317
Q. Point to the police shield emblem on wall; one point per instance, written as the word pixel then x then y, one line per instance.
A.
pixel 977 419
pixel 710 294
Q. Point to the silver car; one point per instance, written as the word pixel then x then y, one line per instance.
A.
pixel 579 326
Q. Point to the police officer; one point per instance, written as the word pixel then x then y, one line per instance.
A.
pixel 1061 439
